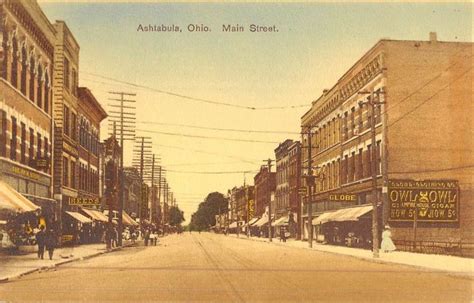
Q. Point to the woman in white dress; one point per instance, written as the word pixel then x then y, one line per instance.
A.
pixel 387 243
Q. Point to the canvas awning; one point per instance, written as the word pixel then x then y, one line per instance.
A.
pixel 345 214
pixel 233 225
pixel 10 199
pixel 80 218
pixel 95 215
pixel 281 221
pixel 252 221
pixel 127 220
pixel 261 222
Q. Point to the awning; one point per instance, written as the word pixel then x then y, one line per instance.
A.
pixel 261 222
pixel 233 225
pixel 13 200
pixel 281 221
pixel 95 215
pixel 80 218
pixel 252 221
pixel 345 214
pixel 127 220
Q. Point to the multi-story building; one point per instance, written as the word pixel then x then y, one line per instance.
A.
pixel 264 182
pixel 26 65
pixel 423 143
pixel 65 113
pixel 282 193
pixel 90 114
pixel 132 191
pixel 294 182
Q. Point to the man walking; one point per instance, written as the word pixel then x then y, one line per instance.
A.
pixel 40 239
pixel 50 242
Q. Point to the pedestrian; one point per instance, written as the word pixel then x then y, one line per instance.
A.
pixel 115 236
pixel 156 237
pixel 147 236
pixel 40 237
pixel 387 243
pixel 50 242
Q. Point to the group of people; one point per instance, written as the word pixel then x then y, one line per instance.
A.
pixel 46 239
pixel 150 236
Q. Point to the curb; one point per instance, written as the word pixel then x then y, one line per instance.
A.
pixel 30 271
pixel 379 261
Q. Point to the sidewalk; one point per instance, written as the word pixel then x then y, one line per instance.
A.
pixel 449 264
pixel 15 266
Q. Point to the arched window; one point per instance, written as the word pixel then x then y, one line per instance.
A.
pixel 32 79
pixel 46 92
pixel 39 93
pixel 3 67
pixel 24 68
pixel 14 67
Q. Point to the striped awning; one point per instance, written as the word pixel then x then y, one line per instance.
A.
pixel 344 214
pixel 12 200
pixel 95 215
pixel 80 218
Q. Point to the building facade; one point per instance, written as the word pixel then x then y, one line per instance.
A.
pixel 423 141
pixel 294 182
pixel 264 182
pixel 282 192
pixel 26 66
pixel 90 114
pixel 65 113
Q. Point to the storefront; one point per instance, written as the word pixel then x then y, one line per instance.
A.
pixel 348 226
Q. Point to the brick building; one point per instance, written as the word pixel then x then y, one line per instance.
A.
pixel 26 65
pixel 90 114
pixel 264 182
pixel 423 132
pixel 65 113
pixel 294 183
pixel 282 192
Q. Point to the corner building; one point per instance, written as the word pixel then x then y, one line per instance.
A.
pixel 424 141
pixel 26 65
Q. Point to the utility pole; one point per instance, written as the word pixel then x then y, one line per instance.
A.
pixel 142 157
pixel 152 188
pixel 310 185
pixel 126 117
pixel 373 161
pixel 270 233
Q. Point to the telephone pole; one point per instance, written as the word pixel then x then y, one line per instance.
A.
pixel 142 161
pixel 270 233
pixel 125 116
pixel 373 103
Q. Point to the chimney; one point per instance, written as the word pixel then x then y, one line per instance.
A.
pixel 433 37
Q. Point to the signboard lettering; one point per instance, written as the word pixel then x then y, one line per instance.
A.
pixel 428 201
pixel 343 197
pixel 84 201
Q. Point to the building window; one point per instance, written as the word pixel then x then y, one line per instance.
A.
pixel 73 174
pixel 360 164
pixel 346 128
pixel 46 92
pixel 3 133
pixel 361 121
pixel 23 144
pixel 352 174
pixel 73 126
pixel 38 146
pixel 65 172
pixel 66 120
pixel 14 66
pixel 24 69
pixel 74 82
pixel 32 79
pixel 66 74
pixel 13 140
pixel 379 158
pixel 46 147
pixel 32 146
pixel 352 121
pixel 39 88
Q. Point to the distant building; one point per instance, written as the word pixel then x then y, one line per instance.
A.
pixel 264 186
pixel 423 132
pixel 294 182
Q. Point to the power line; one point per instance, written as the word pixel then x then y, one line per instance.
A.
pixel 433 170
pixel 203 163
pixel 205 137
pixel 222 129
pixel 190 98
pixel 213 172
pixel 206 152
pixel 429 98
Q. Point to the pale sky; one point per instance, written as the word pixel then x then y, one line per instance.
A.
pixel 315 44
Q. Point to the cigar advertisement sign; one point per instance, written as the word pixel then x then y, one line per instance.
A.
pixel 425 201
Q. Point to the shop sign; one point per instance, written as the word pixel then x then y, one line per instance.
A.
pixel 84 201
pixel 250 209
pixel 19 171
pixel 343 197
pixel 425 201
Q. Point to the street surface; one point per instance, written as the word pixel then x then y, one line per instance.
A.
pixel 209 267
